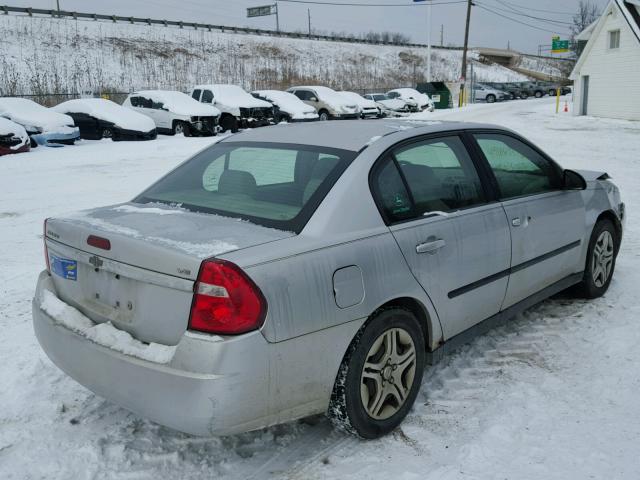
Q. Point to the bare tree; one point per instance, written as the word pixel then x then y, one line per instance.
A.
pixel 587 14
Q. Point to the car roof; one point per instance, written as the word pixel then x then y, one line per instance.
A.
pixel 348 134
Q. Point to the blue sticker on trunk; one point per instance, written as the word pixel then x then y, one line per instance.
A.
pixel 65 268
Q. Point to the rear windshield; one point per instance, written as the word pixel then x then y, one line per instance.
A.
pixel 271 184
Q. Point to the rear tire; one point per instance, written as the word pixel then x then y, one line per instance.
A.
pixel 524 95
pixel 107 133
pixel 380 375
pixel 324 115
pixel 601 260
pixel 539 94
pixel 491 98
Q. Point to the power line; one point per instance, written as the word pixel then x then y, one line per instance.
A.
pixel 515 20
pixel 544 10
pixel 316 2
pixel 513 11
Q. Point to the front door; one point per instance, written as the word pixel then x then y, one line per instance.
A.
pixel 547 223
pixel 456 243
pixel 585 95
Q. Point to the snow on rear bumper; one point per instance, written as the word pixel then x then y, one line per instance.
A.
pixel 212 386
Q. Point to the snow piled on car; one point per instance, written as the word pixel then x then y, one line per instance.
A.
pixel 289 103
pixel 30 114
pixel 179 103
pixel 108 111
pixel 7 127
pixel 233 96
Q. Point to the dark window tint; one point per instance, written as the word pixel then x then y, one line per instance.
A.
pixel 157 105
pixel 303 94
pixel 196 94
pixel 135 101
pixel 391 192
pixel 440 175
pixel 276 185
pixel 207 96
pixel 518 168
pixel 393 95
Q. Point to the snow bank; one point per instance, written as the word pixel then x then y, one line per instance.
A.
pixel 179 103
pixel 30 114
pixel 109 111
pixel 233 96
pixel 104 334
pixel 288 103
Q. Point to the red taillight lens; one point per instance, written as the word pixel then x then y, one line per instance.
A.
pixel 44 240
pixel 99 242
pixel 225 300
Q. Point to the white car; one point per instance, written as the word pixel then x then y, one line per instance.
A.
pixel 390 107
pixel 44 126
pixel 287 107
pixel 368 108
pixel 175 112
pixel 239 108
pixel 13 137
pixel 328 103
pixel 418 101
pixel 484 93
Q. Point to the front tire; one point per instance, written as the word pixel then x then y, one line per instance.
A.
pixel 324 115
pixel 491 98
pixel 181 128
pixel 601 260
pixel 538 94
pixel 380 375
pixel 229 123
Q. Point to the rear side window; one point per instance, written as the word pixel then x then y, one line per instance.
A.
pixel 518 168
pixel 207 96
pixel 270 184
pixel 196 94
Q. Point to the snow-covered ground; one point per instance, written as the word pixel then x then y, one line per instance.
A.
pixel 554 395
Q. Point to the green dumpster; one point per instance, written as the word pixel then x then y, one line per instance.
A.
pixel 438 92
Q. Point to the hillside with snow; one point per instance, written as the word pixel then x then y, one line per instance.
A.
pixel 48 55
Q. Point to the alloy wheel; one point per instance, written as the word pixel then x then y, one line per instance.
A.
pixel 107 133
pixel 179 128
pixel 388 373
pixel 602 259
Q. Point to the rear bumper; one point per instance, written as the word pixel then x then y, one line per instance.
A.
pixel 210 387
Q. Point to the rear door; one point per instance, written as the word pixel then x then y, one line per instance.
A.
pixel 454 238
pixel 547 223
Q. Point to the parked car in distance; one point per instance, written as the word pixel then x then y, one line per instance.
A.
pixel 511 92
pixel 100 118
pixel 239 108
pixel 174 112
pixel 368 108
pixel 44 126
pixel 390 107
pixel 286 106
pixel 418 101
pixel 532 89
pixel 483 93
pixel 327 102
pixel 13 137
pixel 552 89
pixel 239 291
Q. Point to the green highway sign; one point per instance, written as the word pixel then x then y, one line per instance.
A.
pixel 559 46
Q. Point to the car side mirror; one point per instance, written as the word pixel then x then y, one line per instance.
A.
pixel 313 99
pixel 573 181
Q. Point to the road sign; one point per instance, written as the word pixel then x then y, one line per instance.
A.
pixel 262 11
pixel 559 46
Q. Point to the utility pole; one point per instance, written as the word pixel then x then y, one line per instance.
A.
pixel 442 35
pixel 277 19
pixel 463 77
pixel 429 42
pixel 58 6
pixel 309 18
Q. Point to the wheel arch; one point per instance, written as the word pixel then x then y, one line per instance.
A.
pixel 610 215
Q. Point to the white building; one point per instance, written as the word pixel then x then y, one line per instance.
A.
pixel 606 77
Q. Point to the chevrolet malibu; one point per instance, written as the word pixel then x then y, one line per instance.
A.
pixel 309 268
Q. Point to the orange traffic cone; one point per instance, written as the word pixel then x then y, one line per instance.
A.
pixel 566 106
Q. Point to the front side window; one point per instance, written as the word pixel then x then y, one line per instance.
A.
pixel 207 96
pixel 614 39
pixel 275 185
pixel 196 94
pixel 518 168
pixel 303 94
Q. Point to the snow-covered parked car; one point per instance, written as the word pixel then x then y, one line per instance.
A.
pixel 390 107
pixel 13 137
pixel 44 126
pixel 416 100
pixel 239 108
pixel 328 103
pixel 368 108
pixel 286 106
pixel 175 112
pixel 99 118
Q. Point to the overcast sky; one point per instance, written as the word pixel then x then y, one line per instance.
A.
pixel 487 29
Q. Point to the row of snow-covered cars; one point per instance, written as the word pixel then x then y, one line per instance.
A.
pixel 24 124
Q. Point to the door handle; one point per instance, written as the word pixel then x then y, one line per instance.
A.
pixel 516 222
pixel 431 246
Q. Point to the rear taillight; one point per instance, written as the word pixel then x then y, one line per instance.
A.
pixel 44 240
pixel 99 242
pixel 225 300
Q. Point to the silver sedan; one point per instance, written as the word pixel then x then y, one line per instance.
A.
pixel 309 268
